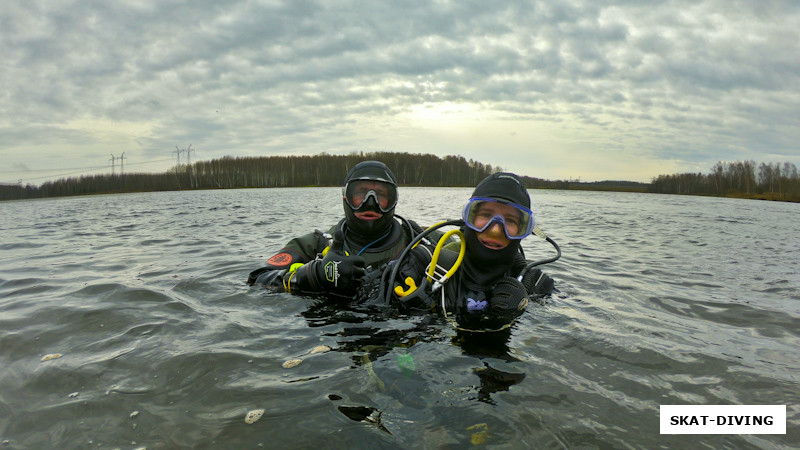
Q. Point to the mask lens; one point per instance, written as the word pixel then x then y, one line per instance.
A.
pixel 359 192
pixel 480 213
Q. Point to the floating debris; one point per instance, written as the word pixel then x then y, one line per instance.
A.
pixel 292 363
pixel 320 349
pixel 134 414
pixel 253 416
pixel 50 356
pixel 367 364
pixel 364 414
pixel 406 364
pixel 480 433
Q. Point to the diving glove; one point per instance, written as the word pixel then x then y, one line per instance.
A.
pixel 509 297
pixel 267 277
pixel 538 283
pixel 337 273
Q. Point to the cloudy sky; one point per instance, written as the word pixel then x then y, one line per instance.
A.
pixel 554 89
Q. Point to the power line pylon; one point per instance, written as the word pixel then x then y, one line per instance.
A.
pixel 178 152
pixel 189 155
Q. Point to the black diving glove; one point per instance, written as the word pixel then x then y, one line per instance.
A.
pixel 538 283
pixel 270 278
pixel 509 298
pixel 337 273
pixel 499 308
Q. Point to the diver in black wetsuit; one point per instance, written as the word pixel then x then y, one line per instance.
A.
pixel 494 282
pixel 369 235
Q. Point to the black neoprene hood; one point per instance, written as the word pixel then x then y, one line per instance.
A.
pixel 503 186
pixel 370 170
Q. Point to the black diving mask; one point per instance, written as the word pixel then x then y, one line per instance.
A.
pixel 357 194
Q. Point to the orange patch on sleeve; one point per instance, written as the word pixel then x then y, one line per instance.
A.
pixel 281 259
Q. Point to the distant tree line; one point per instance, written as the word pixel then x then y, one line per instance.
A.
pixel 271 171
pixel 773 181
pixel 742 178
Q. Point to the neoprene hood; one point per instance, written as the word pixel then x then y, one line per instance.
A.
pixel 369 229
pixel 503 186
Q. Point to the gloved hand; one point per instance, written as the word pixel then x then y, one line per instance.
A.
pixel 509 297
pixel 336 273
pixel 266 277
pixel 538 283
pixel 495 310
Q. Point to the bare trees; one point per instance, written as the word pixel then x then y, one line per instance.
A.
pixel 771 180
pixel 266 171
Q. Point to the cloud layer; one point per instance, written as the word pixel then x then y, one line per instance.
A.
pixel 552 89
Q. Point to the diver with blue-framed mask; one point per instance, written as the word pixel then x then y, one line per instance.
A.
pixel 488 282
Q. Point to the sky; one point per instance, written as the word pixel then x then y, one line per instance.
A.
pixel 553 89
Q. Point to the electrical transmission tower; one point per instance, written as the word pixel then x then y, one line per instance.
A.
pixel 121 159
pixel 189 155
pixel 178 152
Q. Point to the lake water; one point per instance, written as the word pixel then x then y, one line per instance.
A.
pixel 661 300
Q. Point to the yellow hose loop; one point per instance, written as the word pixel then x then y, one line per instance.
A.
pixel 438 250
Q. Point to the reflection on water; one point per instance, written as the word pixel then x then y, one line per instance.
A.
pixel 661 300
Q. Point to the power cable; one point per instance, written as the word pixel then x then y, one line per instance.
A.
pixel 78 170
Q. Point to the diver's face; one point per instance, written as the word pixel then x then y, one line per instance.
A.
pixel 494 237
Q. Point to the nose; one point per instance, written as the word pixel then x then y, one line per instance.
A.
pixel 496 227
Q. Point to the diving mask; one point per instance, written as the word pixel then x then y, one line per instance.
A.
pixel 357 193
pixel 481 212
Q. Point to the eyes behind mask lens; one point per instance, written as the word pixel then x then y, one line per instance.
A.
pixel 359 195
pixel 358 192
pixel 480 213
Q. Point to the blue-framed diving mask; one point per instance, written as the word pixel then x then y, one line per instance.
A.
pixel 481 212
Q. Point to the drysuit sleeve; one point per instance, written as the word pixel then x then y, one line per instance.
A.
pixel 299 250
pixel 277 265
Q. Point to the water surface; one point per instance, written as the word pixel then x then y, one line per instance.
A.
pixel 661 300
